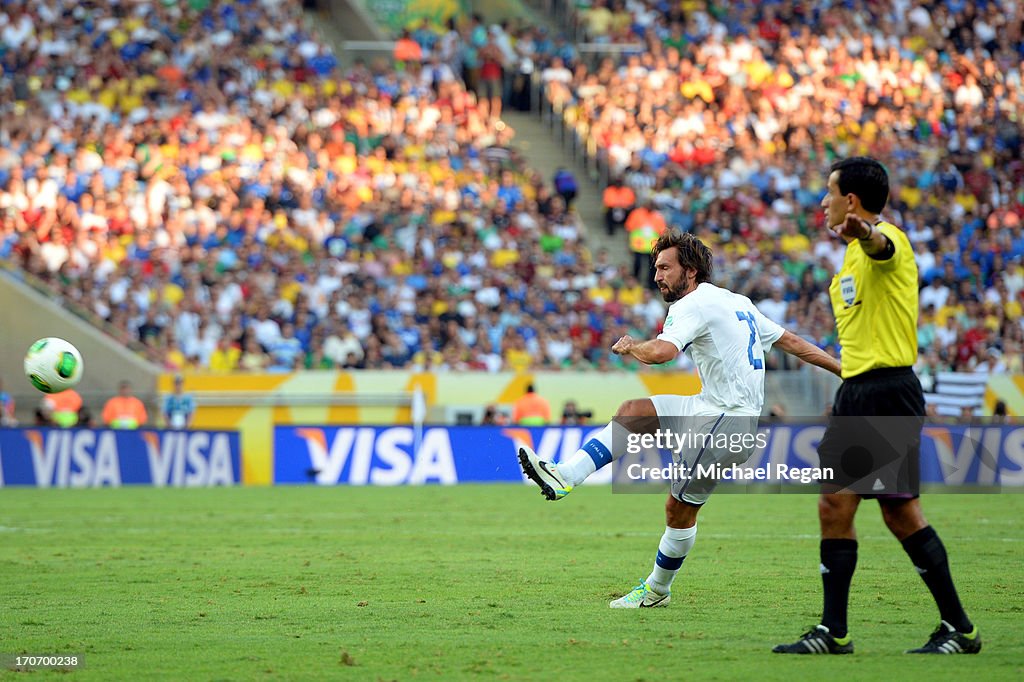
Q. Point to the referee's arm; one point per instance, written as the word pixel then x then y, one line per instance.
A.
pixel 875 244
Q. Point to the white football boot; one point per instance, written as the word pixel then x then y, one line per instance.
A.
pixel 544 474
pixel 641 597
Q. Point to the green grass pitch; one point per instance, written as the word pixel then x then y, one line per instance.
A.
pixel 439 583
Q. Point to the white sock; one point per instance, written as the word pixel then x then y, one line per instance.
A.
pixel 594 454
pixel 675 544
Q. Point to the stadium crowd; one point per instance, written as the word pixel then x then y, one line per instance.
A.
pixel 723 123
pixel 207 181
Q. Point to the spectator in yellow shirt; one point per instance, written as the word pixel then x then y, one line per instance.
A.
pixel 911 194
pixel 601 293
pixel 225 357
pixel 517 358
pixel 792 242
pixel 597 20
pixel 631 293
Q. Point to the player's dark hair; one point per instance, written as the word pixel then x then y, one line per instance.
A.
pixel 865 177
pixel 692 252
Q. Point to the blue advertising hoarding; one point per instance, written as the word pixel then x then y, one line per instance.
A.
pixel 402 455
pixel 86 458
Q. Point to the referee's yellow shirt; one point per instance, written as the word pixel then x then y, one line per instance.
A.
pixel 875 306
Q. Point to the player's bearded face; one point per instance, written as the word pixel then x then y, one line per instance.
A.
pixel 674 292
pixel 673 281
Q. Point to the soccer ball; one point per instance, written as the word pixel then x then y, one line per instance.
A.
pixel 53 365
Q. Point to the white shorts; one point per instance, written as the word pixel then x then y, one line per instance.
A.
pixel 717 440
pixel 683 406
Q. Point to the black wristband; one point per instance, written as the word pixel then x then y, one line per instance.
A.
pixel 886 253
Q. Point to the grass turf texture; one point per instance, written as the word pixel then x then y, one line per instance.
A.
pixel 449 583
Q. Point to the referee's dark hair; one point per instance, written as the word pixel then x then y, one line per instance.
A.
pixel 865 177
pixel 692 252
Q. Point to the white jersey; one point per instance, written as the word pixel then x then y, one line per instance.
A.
pixel 726 336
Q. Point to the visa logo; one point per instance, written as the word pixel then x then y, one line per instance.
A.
pixel 85 458
pixel 978 454
pixel 74 459
pixel 181 458
pixel 379 457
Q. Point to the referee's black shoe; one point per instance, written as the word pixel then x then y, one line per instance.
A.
pixel 817 640
pixel 946 640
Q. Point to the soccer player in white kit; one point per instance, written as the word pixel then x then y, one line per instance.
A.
pixel 726 337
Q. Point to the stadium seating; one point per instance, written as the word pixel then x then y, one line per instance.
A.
pixel 728 115
pixel 213 188
pixel 211 173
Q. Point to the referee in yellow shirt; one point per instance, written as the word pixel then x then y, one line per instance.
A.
pixel 874 299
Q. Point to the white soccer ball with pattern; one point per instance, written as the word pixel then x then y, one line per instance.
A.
pixel 53 365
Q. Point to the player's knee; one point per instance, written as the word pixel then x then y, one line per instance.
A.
pixel 824 509
pixel 679 514
pixel 832 510
pixel 636 408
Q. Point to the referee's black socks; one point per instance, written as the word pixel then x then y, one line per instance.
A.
pixel 929 556
pixel 838 562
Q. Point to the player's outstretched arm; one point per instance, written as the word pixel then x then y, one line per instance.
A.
pixel 652 352
pixel 808 352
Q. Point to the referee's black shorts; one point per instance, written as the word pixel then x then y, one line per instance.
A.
pixel 873 439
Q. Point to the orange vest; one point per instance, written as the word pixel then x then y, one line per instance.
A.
pixel 124 413
pixel 531 410
pixel 644 227
pixel 619 197
pixel 408 50
pixel 66 405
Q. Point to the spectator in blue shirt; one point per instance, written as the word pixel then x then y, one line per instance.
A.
pixel 285 350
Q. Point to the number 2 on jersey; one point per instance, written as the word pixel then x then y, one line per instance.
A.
pixel 747 317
